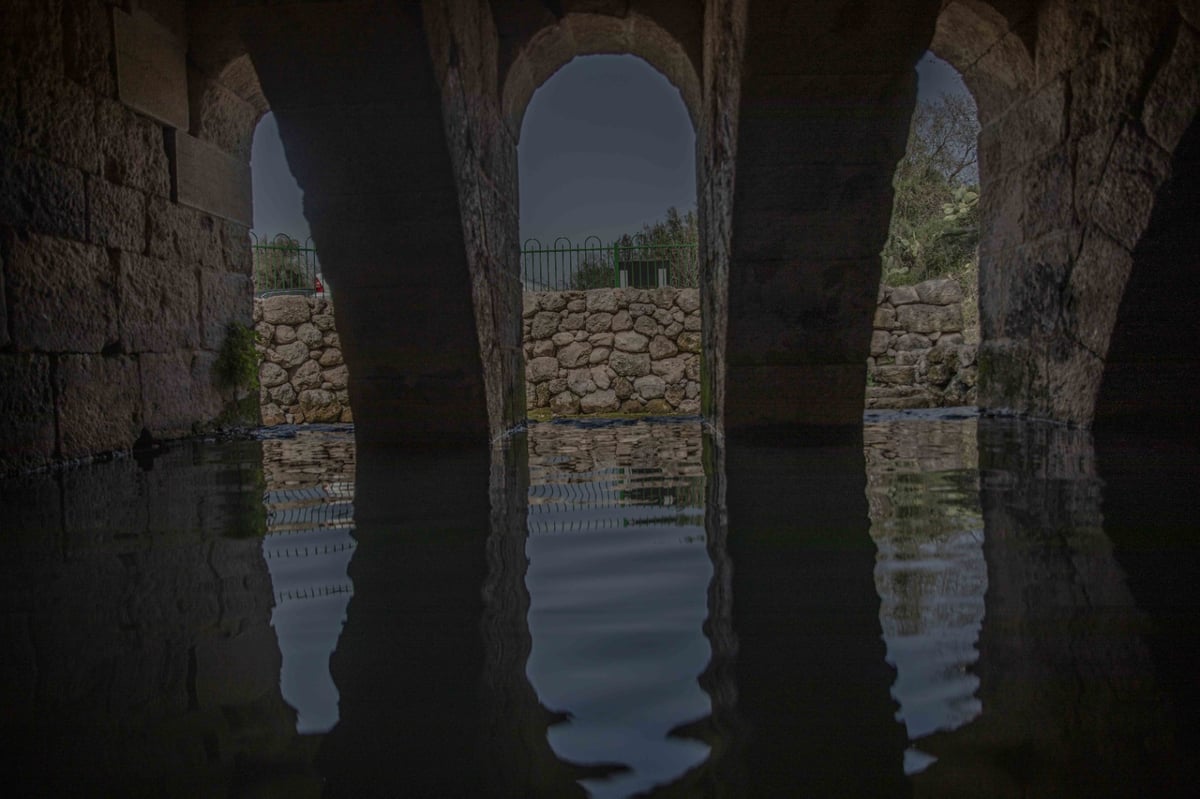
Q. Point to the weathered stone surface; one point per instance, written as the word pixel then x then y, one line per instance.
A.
pixel 319 405
pixel 558 385
pixel 309 334
pixel 601 301
pixel 41 195
pixel 99 404
pixel 285 309
pixel 225 299
pixel 930 318
pixel 116 216
pixel 330 357
pixel 672 330
pixel 629 364
pixel 289 355
pixel 271 375
pixel 562 339
pixel 26 411
pixel 553 301
pixel 580 381
pixel 572 321
pixel 51 281
pixel 879 342
pixel 323 321
pixel 623 388
pixel 151 68
pixel 574 354
pixel 543 348
pixel 132 149
pixel 645 325
pixel 307 376
pixel 338 376
pixel 689 342
pixel 943 291
pixel 564 404
pixel 284 395
pixel 160 304
pixel 903 295
pixel 179 394
pixel 600 377
pixel 649 386
pixel 59 121
pixel 671 370
pixel 895 375
pixel 630 341
pixel 599 322
pixel 271 415
pixel 912 341
pixel 599 355
pixel 600 402
pixel 529 304
pixel 622 321
pixel 658 405
pixel 688 300
pixel 662 347
pixel 211 180
pixel 576 306
pixel 284 334
pixel 545 324
pixel 601 339
pixel 885 319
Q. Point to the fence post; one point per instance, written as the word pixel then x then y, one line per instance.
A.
pixel 616 267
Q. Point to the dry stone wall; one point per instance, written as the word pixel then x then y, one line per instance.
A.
pixel 922 353
pixel 301 375
pixel 638 351
pixel 610 350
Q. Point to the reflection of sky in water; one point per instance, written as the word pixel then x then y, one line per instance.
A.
pixel 931 576
pixel 618 579
pixel 307 549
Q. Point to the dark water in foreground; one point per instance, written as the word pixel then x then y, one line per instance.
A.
pixel 956 607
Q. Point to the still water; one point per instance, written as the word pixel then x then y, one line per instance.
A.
pixel 953 606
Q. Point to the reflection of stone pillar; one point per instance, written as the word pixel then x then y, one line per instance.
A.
pixel 813 707
pixel 410 659
pixel 1070 705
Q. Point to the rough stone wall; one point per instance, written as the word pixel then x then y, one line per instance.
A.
pixel 608 350
pixel 115 293
pixel 301 374
pixel 922 355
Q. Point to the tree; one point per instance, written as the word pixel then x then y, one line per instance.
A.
pixel 672 239
pixel 282 264
pixel 935 220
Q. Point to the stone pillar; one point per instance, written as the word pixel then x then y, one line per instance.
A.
pixel 826 96
pixel 361 117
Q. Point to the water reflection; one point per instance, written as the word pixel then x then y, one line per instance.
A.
pixel 618 580
pixel 309 501
pixel 629 609
pixel 923 492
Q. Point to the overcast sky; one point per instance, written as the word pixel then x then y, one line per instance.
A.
pixel 606 146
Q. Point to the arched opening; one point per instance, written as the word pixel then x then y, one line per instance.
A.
pixel 606 162
pixel 926 328
pixel 303 377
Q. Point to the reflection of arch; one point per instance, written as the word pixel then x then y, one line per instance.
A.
pixel 551 47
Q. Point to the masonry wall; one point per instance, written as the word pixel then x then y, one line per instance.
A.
pixel 638 351
pixel 116 284
pixel 301 374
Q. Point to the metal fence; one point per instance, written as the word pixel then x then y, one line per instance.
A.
pixel 284 265
pixel 565 266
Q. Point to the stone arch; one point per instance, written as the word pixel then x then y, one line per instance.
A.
pixel 226 109
pixel 551 47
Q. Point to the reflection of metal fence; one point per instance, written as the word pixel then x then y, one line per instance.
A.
pixel 593 265
pixel 283 264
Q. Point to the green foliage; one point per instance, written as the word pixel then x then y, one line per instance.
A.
pixel 282 263
pixel 594 273
pixel 935 221
pixel 237 363
pixel 679 232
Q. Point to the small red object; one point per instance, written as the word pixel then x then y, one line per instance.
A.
pixel 318 285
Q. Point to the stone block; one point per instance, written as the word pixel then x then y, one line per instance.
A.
pixel 59 121
pixel 319 405
pixel 564 404
pixel 289 356
pixel 132 149
pixel 545 325
pixel 42 196
pixel 573 321
pixel 604 401
pixel 649 387
pixel 943 291
pixel 284 334
pixel 574 354
pixel 309 334
pixel 31 35
pixel 61 295
pixel 671 370
pixel 330 357
pixel 646 326
pixel 26 411
pixel 160 304
pixel 879 342
pixel 271 375
pixel 622 321
pixel 903 295
pixel 674 329
pixel 541 368
pixel 99 404
pixel 151 68
pixel 629 364
pixel 662 347
pixel 930 318
pixel 601 301
pixel 689 342
pixel 553 301
pixel 338 376
pixel 182 234
pixel 211 180
pixel 599 322
pixel 224 299
pixel 580 381
pixel 116 216
pixel 896 375
pixel 179 394
pixel 630 341
pixel 285 309
pixel 688 300
pixel 88 45
pixel 307 376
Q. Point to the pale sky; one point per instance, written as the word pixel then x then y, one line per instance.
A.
pixel 606 146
